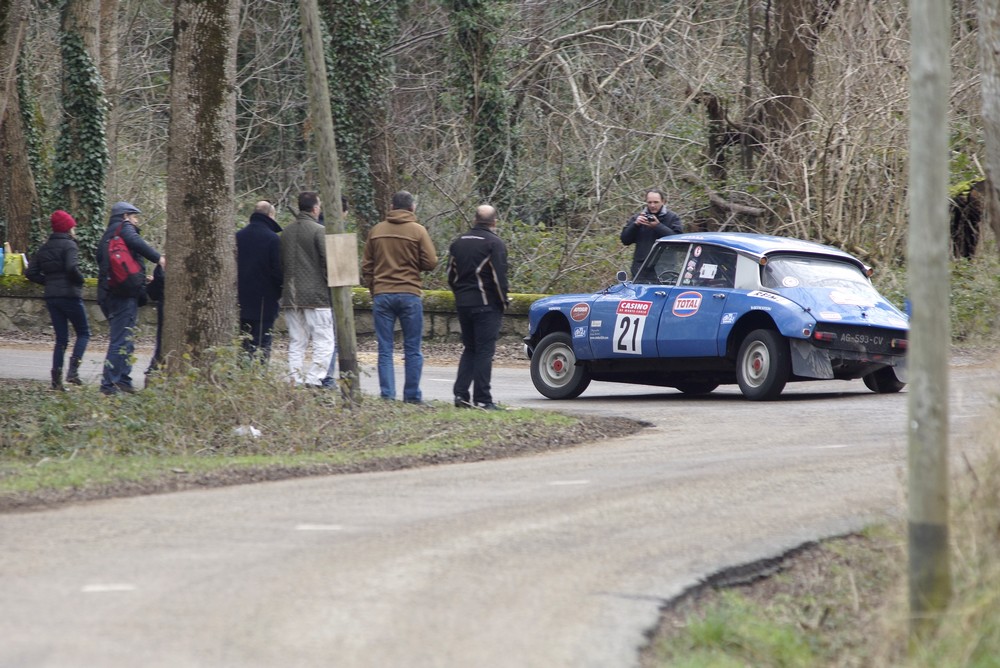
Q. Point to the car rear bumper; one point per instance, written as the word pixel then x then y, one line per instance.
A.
pixel 811 361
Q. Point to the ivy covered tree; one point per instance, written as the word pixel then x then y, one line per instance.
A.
pixel 481 71
pixel 81 152
pixel 359 71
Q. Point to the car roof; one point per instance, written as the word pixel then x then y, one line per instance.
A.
pixel 760 245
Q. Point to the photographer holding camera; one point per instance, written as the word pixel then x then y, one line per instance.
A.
pixel 645 227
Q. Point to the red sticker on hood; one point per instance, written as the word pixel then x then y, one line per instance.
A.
pixel 580 311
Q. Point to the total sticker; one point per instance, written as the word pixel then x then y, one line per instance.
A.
pixel 687 304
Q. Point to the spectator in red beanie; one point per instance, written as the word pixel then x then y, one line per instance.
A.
pixel 55 266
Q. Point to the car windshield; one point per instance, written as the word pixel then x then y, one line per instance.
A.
pixel 663 265
pixel 796 271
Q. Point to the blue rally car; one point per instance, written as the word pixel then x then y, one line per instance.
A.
pixel 721 308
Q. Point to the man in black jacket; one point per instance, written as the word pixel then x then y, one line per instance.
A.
pixel 477 274
pixel 645 227
pixel 259 279
pixel 122 308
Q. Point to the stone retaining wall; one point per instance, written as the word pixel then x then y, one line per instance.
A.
pixel 23 312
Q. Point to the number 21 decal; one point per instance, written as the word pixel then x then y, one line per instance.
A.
pixel 629 324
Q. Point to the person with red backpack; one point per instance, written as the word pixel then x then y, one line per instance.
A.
pixel 120 301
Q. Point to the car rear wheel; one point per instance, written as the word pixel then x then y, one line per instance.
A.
pixel 554 371
pixel 883 381
pixel 763 365
pixel 696 388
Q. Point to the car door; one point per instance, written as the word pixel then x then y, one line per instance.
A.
pixel 623 324
pixel 689 322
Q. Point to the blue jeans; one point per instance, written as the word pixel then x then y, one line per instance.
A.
pixel 65 311
pixel 409 310
pixel 122 313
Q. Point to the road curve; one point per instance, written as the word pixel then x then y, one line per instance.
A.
pixel 559 559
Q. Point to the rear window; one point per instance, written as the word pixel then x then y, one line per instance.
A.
pixel 795 271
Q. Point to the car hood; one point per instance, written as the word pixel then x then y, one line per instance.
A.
pixel 851 307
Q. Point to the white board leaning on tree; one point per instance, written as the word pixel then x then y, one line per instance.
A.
pixel 342 260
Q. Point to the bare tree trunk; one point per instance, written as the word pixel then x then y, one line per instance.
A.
pixel 746 150
pixel 200 308
pixel 989 66
pixel 17 183
pixel 13 20
pixel 109 72
pixel 789 62
pixel 928 281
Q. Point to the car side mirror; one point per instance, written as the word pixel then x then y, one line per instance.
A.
pixel 621 276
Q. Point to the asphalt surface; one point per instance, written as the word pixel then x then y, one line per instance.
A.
pixel 560 559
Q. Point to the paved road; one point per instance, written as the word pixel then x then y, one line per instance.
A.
pixel 561 559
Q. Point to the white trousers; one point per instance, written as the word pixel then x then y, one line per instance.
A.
pixel 305 325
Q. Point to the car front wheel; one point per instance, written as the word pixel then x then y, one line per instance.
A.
pixel 554 371
pixel 763 365
pixel 883 381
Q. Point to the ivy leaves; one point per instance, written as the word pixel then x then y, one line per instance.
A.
pixel 81 151
pixel 359 77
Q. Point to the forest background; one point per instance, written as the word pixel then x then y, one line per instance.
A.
pixel 780 116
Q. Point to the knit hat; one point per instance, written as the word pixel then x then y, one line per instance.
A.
pixel 62 221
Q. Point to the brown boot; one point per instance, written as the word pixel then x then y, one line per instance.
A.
pixel 73 375
pixel 57 379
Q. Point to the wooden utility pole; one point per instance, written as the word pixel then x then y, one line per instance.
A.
pixel 329 174
pixel 988 23
pixel 928 285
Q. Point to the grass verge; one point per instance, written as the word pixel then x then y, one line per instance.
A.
pixel 231 425
pixel 844 602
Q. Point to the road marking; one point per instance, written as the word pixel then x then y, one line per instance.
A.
pixel 832 447
pixel 318 527
pixel 103 588
pixel 563 483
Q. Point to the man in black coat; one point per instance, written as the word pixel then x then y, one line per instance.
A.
pixel 259 279
pixel 654 221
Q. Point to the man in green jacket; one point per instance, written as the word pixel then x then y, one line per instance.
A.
pixel 305 296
